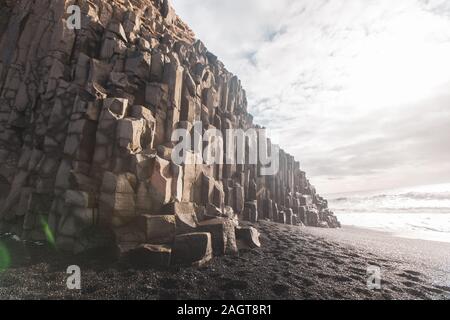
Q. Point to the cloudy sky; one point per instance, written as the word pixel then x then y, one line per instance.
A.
pixel 358 90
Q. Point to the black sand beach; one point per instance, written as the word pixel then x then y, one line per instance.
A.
pixel 293 263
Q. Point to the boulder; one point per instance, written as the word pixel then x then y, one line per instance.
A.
pixel 149 256
pixel 247 237
pixel 212 212
pixel 312 218
pixel 95 241
pixel 193 249
pixel 323 224
pixel 223 235
pixel 186 218
pixel 159 229
pixel 331 220
pixel 130 233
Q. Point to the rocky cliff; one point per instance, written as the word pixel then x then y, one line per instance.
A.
pixel 86 117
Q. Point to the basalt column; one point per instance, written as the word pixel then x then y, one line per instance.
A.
pixel 86 121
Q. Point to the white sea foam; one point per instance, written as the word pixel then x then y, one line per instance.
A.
pixel 419 212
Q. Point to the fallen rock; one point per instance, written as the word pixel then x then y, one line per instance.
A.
pixel 312 218
pixel 323 224
pixel 247 237
pixel 130 233
pixel 95 241
pixel 212 211
pixel 223 235
pixel 331 219
pixel 186 218
pixel 194 249
pixel 149 256
pixel 159 229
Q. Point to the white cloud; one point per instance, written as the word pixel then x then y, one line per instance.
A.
pixel 344 83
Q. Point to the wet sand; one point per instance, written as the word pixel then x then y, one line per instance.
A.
pixel 293 263
pixel 430 257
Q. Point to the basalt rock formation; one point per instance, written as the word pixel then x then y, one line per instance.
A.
pixel 86 117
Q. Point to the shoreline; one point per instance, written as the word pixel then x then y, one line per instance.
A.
pixel 432 257
pixel 294 263
pixel 422 226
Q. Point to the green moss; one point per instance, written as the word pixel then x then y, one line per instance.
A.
pixel 48 232
pixel 5 258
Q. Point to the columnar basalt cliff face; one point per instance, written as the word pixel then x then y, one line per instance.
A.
pixel 86 118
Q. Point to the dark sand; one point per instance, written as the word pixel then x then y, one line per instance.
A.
pixel 293 263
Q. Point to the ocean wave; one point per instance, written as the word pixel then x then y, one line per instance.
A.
pixel 421 212
pixel 408 195
pixel 396 209
pixel 412 211
pixel 429 226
